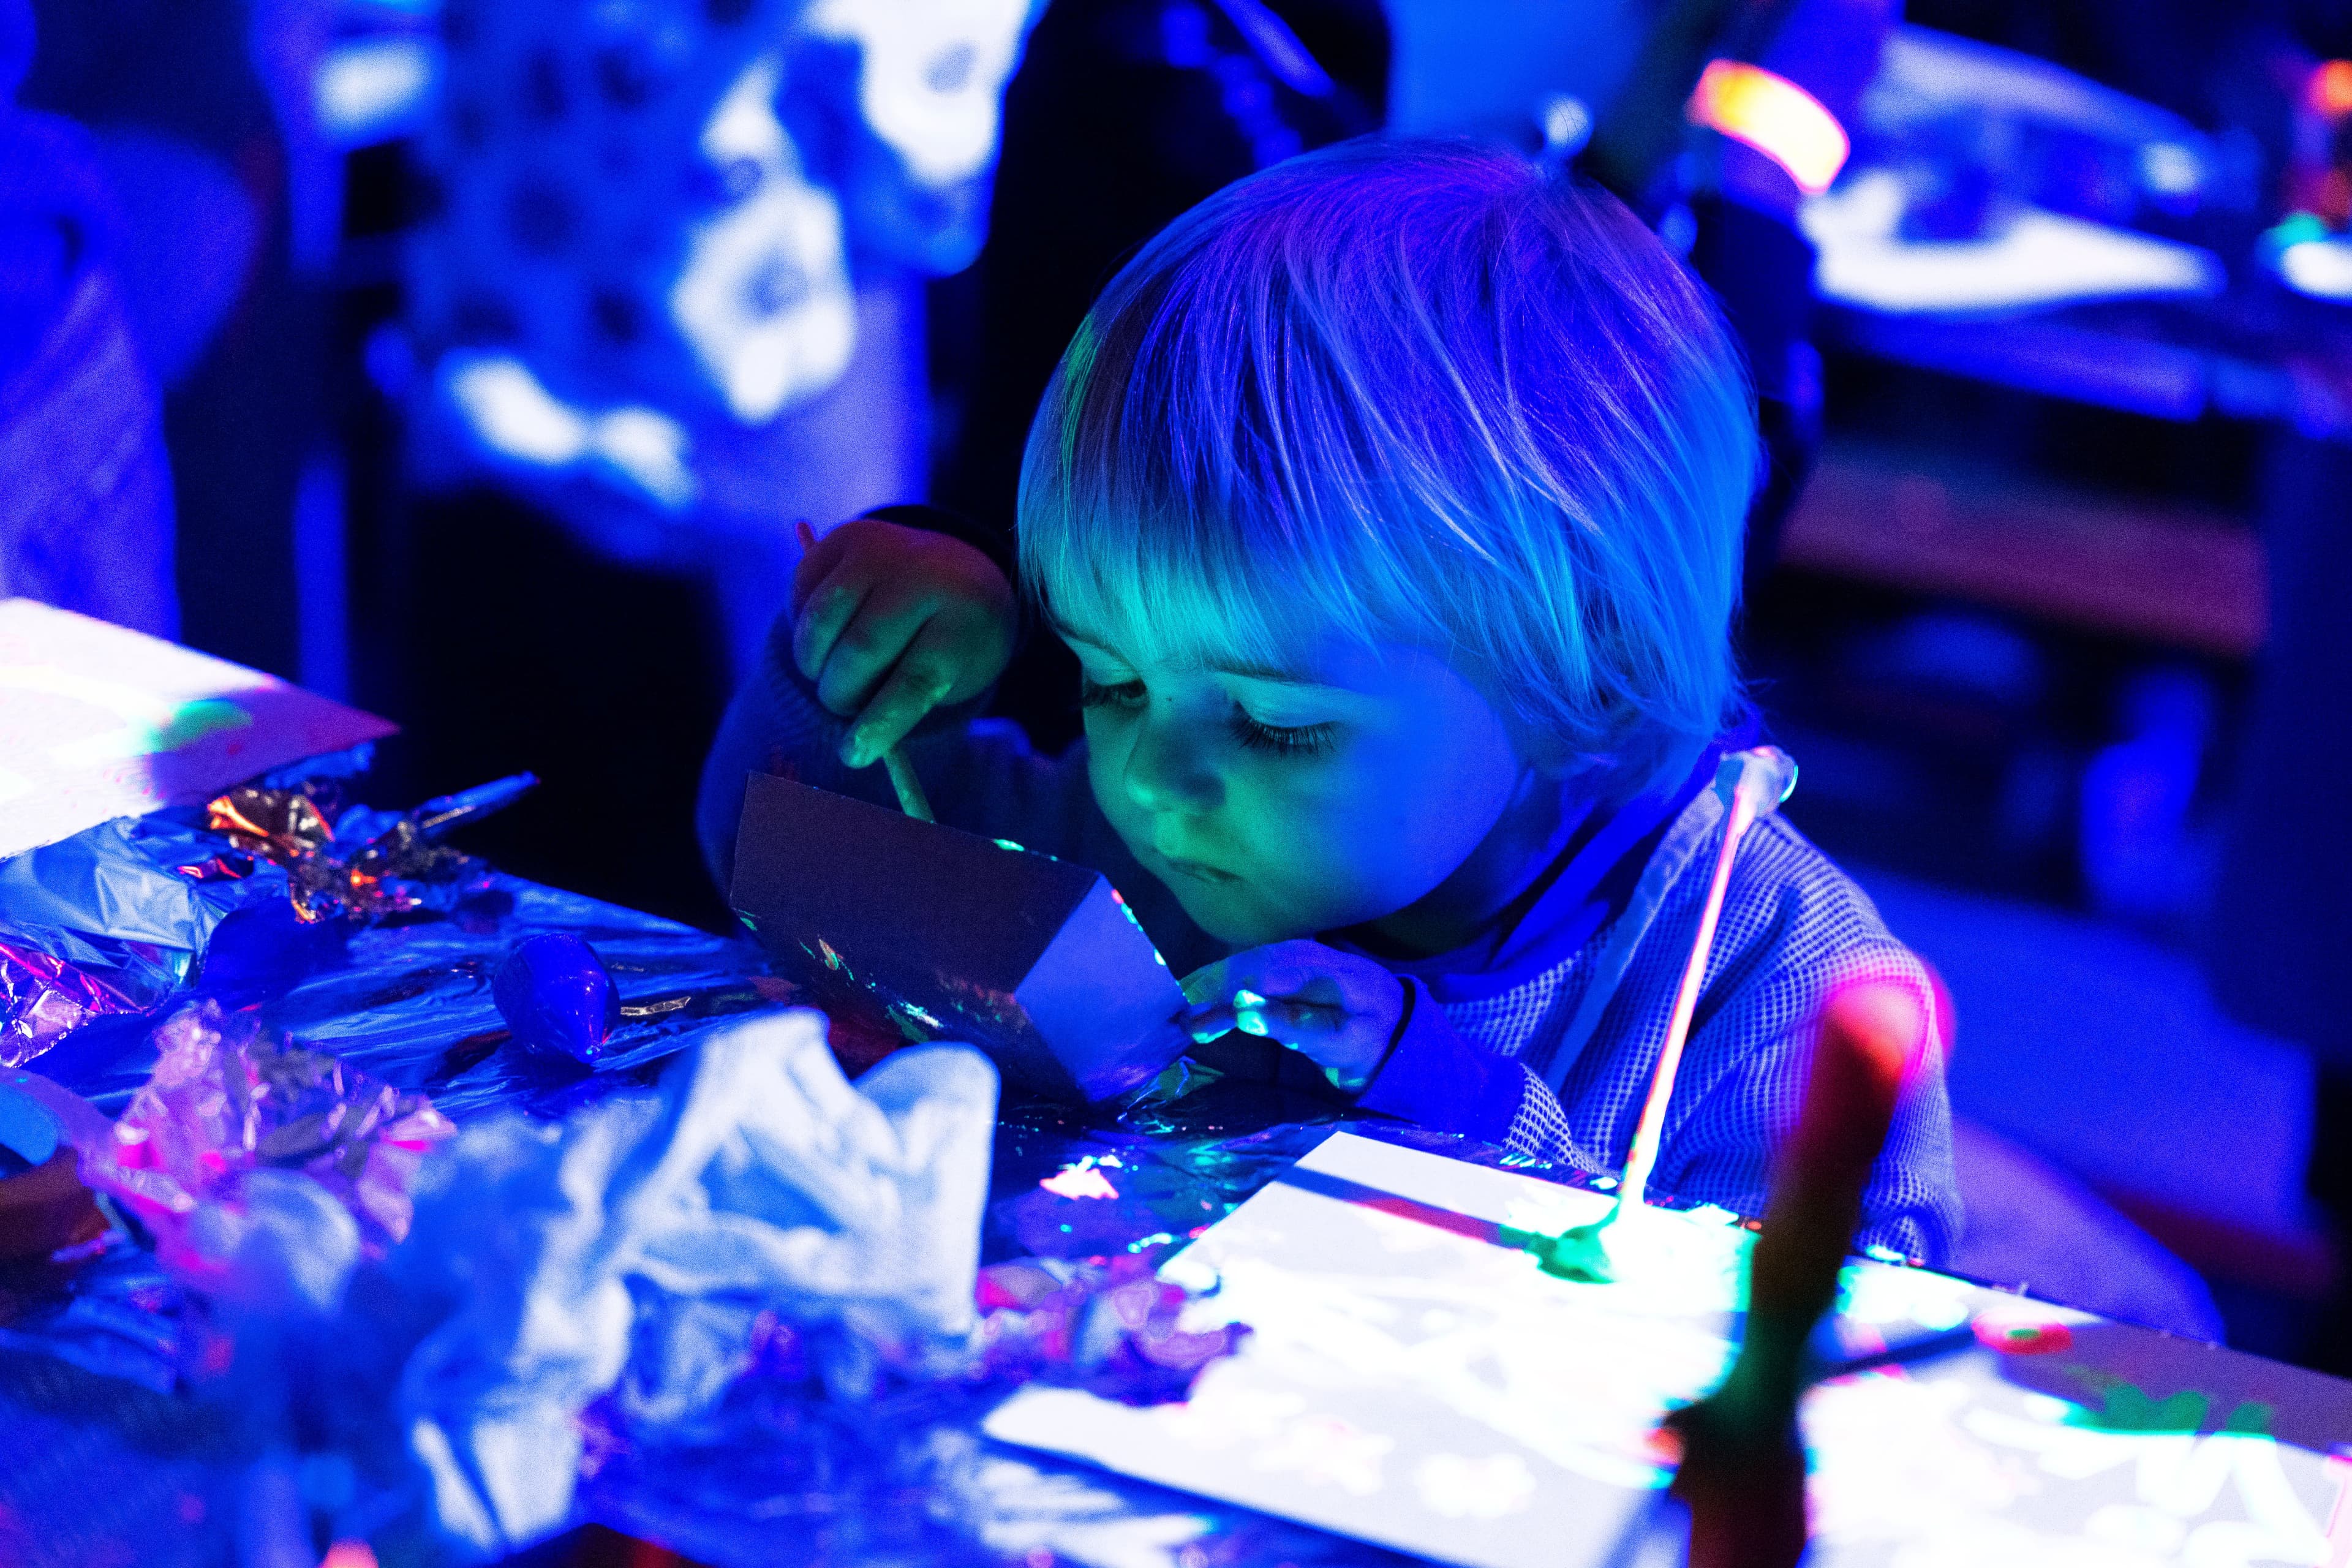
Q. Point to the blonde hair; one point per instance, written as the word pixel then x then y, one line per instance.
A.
pixel 1420 391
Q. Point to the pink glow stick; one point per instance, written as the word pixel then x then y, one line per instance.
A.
pixel 1642 1158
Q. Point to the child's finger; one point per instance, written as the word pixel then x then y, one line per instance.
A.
pixel 1205 983
pixel 888 621
pixel 824 615
pixel 1309 972
pixel 921 679
pixel 819 558
pixel 1211 1021
pixel 1263 971
pixel 1301 1026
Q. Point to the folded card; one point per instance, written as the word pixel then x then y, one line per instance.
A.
pixel 1035 961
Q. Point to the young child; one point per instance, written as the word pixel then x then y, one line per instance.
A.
pixel 1391 502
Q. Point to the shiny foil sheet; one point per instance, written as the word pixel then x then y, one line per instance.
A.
pixel 1082 1206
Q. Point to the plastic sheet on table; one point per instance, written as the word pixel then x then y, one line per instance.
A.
pixel 916 1484
pixel 412 1005
pixel 907 1479
pixel 111 921
pixel 106 1470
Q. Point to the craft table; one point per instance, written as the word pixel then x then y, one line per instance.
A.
pixel 86 1384
pixel 108 1461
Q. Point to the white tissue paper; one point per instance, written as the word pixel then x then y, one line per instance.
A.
pixel 646 1234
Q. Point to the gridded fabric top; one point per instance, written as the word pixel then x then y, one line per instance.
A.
pixel 1794 929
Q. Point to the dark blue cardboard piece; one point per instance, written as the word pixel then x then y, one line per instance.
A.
pixel 956 937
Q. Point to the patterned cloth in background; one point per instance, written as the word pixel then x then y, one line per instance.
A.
pixel 648 219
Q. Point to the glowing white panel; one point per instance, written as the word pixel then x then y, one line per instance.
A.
pixel 372 89
pixel 2319 268
pixel 1415 1380
pixel 763 299
pixel 512 412
pixel 651 448
pixel 2038 259
pixel 744 124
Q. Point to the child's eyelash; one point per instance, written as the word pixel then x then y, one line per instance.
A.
pixel 1093 693
pixel 1297 740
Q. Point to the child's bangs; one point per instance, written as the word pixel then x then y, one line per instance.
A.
pixel 1166 507
pixel 1188 580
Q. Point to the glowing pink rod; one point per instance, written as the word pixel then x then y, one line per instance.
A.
pixel 1642 1158
pixel 1579 1253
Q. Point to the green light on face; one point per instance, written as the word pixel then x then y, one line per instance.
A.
pixel 1008 844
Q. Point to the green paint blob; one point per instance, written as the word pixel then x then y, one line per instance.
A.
pixel 1577 1254
pixel 195 721
pixel 2128 1407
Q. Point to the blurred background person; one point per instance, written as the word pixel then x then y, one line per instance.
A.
pixel 197 115
pixel 86 506
pixel 666 299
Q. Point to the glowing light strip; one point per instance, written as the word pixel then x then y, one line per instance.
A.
pixel 2328 89
pixel 1776 117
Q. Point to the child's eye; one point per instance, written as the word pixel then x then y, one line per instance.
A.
pixel 1296 740
pixel 1093 693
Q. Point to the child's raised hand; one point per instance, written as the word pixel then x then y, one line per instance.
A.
pixel 1338 1010
pixel 891 622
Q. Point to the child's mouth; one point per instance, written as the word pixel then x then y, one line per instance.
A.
pixel 1209 875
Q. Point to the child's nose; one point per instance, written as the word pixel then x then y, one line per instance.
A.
pixel 1166 768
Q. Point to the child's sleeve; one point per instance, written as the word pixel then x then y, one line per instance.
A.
pixel 1743 1073
pixel 1440 1080
pixel 1720 1135
pixel 774 724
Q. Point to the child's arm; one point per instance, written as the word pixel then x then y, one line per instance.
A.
pixel 889 629
pixel 1382 1038
pixel 981 775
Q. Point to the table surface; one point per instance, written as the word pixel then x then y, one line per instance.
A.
pixel 87 1382
pixel 108 1461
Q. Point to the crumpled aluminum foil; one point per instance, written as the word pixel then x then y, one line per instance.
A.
pixel 117 918
pixel 361 863
pixel 230 1101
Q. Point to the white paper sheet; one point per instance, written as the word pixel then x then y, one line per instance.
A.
pixel 97 722
pixel 1414 1382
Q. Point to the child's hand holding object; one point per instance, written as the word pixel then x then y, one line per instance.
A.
pixel 890 622
pixel 1341 1011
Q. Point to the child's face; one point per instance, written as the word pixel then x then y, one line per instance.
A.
pixel 1279 803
